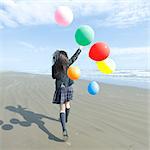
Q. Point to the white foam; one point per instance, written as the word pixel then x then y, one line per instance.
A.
pixel 137 78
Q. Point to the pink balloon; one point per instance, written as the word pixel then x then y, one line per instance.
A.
pixel 63 16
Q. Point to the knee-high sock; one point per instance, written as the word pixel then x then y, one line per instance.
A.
pixel 63 120
pixel 67 113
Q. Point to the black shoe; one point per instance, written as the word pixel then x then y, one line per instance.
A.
pixel 65 135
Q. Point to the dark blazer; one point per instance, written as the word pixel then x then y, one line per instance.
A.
pixel 63 78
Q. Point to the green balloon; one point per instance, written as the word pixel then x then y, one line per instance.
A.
pixel 84 35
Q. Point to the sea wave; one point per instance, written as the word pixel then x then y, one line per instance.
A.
pixel 120 73
pixel 136 78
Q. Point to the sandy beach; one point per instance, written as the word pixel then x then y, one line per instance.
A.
pixel 115 119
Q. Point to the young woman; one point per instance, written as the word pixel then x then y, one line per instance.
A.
pixel 64 91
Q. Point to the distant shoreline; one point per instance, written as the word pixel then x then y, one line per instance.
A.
pixel 85 79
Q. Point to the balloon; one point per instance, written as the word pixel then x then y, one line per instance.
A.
pixel 84 35
pixel 93 88
pixel 99 51
pixel 73 72
pixel 106 66
pixel 63 16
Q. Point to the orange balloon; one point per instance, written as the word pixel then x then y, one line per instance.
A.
pixel 73 72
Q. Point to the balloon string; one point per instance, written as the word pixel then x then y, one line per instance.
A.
pixel 81 47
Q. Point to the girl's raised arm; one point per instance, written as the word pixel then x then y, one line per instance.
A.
pixel 74 57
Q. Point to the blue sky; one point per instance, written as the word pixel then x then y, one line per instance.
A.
pixel 29 34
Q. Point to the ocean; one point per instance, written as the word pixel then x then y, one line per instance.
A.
pixel 134 78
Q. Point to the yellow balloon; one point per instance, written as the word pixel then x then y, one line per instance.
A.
pixel 106 66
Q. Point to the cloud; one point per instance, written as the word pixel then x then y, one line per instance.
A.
pixel 15 13
pixel 127 13
pixel 9 60
pixel 32 48
pixel 5 20
pixel 119 13
pixel 131 57
pixel 27 45
pixel 1 26
pixel 116 51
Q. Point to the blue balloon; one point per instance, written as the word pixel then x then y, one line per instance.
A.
pixel 93 88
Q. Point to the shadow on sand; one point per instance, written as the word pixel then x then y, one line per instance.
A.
pixel 31 117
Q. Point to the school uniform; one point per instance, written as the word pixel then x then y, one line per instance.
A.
pixel 63 84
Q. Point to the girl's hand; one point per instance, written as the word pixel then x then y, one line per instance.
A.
pixel 81 47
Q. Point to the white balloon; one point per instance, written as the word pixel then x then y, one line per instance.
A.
pixel 63 15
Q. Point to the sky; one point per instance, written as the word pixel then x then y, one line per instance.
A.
pixel 29 34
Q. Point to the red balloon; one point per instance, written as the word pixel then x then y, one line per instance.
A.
pixel 99 51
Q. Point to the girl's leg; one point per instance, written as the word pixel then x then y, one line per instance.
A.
pixel 63 116
pixel 67 104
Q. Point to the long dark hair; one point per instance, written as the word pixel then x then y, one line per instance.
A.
pixel 60 60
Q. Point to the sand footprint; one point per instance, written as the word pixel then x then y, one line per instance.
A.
pixel 7 127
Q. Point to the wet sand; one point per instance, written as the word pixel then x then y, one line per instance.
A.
pixel 115 119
